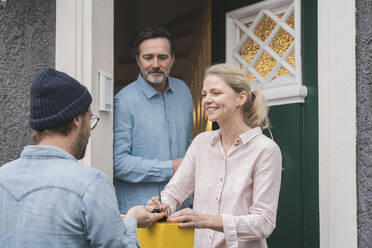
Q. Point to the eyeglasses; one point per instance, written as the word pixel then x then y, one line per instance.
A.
pixel 93 121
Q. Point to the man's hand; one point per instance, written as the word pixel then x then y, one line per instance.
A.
pixel 144 216
pixel 176 164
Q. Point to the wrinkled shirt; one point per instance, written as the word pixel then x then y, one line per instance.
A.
pixel 150 130
pixel 242 186
pixel 48 199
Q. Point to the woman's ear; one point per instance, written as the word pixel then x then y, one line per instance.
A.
pixel 243 97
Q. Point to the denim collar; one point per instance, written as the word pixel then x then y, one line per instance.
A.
pixel 149 90
pixel 47 152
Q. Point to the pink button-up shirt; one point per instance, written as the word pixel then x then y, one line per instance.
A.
pixel 242 186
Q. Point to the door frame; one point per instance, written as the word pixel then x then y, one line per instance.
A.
pixel 84 47
pixel 337 123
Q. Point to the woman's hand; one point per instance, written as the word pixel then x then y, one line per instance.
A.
pixel 193 219
pixel 155 203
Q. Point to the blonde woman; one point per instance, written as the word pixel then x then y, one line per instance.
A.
pixel 234 172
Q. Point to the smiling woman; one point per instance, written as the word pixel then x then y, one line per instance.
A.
pixel 228 84
pixel 236 206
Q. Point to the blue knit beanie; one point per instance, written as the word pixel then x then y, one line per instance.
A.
pixel 56 99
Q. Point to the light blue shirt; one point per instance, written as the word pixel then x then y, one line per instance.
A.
pixel 150 130
pixel 48 199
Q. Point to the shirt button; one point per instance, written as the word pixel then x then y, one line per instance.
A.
pixel 210 236
pixel 221 179
pixel 216 198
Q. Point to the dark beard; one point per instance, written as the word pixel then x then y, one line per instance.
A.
pixel 80 144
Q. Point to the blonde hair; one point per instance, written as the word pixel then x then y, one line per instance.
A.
pixel 255 109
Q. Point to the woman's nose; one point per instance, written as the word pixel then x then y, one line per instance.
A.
pixel 206 100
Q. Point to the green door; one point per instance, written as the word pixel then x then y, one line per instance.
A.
pixel 287 132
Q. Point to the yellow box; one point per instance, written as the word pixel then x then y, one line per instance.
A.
pixel 165 235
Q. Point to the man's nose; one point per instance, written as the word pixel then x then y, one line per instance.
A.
pixel 155 63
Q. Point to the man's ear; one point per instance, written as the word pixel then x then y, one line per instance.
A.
pixel 173 57
pixel 76 122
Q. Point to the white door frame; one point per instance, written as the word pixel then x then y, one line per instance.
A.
pixel 84 46
pixel 337 124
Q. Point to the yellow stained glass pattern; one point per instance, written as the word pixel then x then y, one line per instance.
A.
pixel 251 77
pixel 249 50
pixel 280 15
pixel 282 71
pixel 264 28
pixel 291 59
pixel 281 42
pixel 265 64
pixel 290 20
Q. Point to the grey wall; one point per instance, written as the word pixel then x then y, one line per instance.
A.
pixel 364 120
pixel 27 43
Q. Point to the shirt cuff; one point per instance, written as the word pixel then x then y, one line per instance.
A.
pixel 229 229
pixel 130 224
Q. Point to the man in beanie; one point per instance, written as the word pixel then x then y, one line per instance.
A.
pixel 48 199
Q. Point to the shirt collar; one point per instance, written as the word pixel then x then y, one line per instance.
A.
pixel 216 137
pixel 250 134
pixel 243 138
pixel 37 152
pixel 149 90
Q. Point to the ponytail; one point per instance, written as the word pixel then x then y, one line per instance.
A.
pixel 255 110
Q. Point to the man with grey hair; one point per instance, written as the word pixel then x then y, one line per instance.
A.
pixel 153 122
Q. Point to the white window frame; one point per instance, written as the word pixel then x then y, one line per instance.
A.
pixel 283 89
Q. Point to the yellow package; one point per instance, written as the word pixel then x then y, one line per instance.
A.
pixel 165 235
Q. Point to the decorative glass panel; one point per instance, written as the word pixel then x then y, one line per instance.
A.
pixel 264 28
pixel 280 15
pixel 250 76
pixel 291 59
pixel 266 42
pixel 282 71
pixel 282 41
pixel 261 40
pixel 290 20
pixel 249 50
pixel 265 64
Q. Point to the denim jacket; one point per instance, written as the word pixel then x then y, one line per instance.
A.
pixel 48 199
